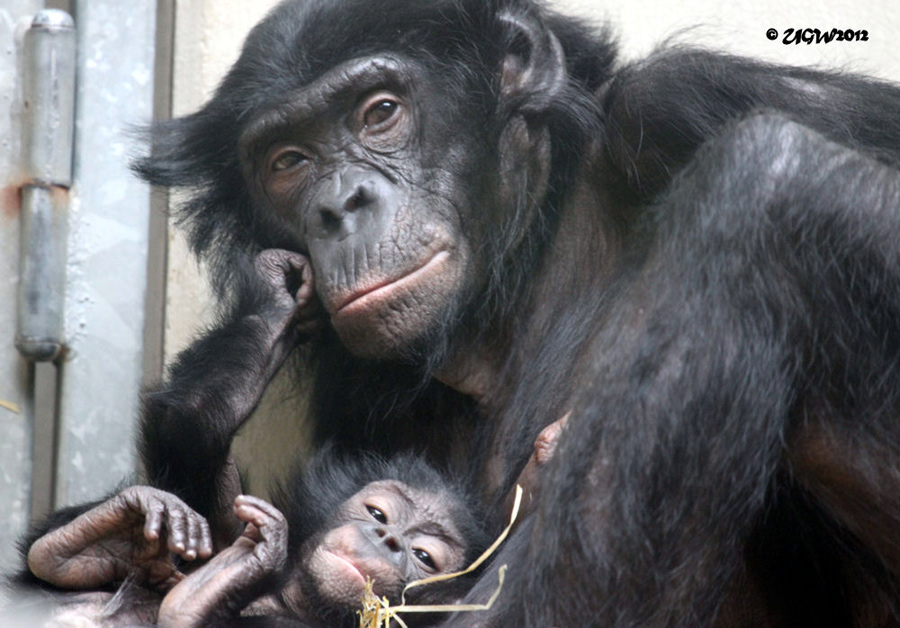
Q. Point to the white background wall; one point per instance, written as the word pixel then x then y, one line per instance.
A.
pixel 209 33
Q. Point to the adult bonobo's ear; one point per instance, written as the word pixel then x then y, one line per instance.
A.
pixel 534 68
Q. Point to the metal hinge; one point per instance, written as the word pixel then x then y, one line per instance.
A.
pixel 49 58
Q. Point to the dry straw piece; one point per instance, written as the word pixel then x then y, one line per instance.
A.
pixel 10 406
pixel 378 613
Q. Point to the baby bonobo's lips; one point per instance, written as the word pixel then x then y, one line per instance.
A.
pixel 347 567
pixel 372 297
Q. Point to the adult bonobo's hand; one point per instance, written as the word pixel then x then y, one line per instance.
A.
pixel 293 313
pixel 136 533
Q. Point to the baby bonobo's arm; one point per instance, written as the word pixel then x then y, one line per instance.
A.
pixel 135 533
pixel 235 576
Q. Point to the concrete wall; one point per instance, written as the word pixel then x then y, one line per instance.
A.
pixel 208 37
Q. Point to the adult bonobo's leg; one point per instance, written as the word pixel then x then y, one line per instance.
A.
pixel 189 422
pixel 774 277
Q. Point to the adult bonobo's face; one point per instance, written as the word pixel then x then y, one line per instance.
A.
pixel 360 168
pixel 405 146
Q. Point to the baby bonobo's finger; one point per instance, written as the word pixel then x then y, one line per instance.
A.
pixel 545 444
pixel 205 548
pixel 192 536
pixel 269 529
pixel 199 538
pixel 143 500
pixel 177 528
pixel 256 511
pixel 153 520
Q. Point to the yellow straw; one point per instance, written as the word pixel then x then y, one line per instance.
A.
pixel 378 613
pixel 10 406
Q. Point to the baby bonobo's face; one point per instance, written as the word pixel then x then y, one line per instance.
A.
pixel 390 532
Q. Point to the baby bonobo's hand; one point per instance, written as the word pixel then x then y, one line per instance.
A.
pixel 136 533
pixel 294 310
pixel 235 576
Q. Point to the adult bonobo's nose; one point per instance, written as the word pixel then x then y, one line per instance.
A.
pixel 349 200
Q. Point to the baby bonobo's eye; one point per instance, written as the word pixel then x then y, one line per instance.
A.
pixel 377 514
pixel 425 558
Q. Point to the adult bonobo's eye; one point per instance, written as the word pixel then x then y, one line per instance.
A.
pixel 286 159
pixel 377 514
pixel 425 558
pixel 379 112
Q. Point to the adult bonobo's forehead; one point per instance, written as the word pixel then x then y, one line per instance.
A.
pixel 325 100
pixel 300 40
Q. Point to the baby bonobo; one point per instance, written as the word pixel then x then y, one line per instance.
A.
pixel 393 521
pixel 346 520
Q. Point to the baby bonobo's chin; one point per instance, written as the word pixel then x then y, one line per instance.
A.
pixel 337 579
pixel 306 601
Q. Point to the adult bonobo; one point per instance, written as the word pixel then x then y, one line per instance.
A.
pixel 696 256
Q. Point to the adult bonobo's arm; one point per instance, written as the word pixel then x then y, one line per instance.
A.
pixel 189 421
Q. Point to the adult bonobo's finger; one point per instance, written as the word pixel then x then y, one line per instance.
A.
pixel 307 288
pixel 286 271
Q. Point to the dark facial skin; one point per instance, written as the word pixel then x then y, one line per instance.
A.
pixel 346 166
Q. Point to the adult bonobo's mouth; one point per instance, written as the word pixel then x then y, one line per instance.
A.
pixel 385 315
pixel 375 295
